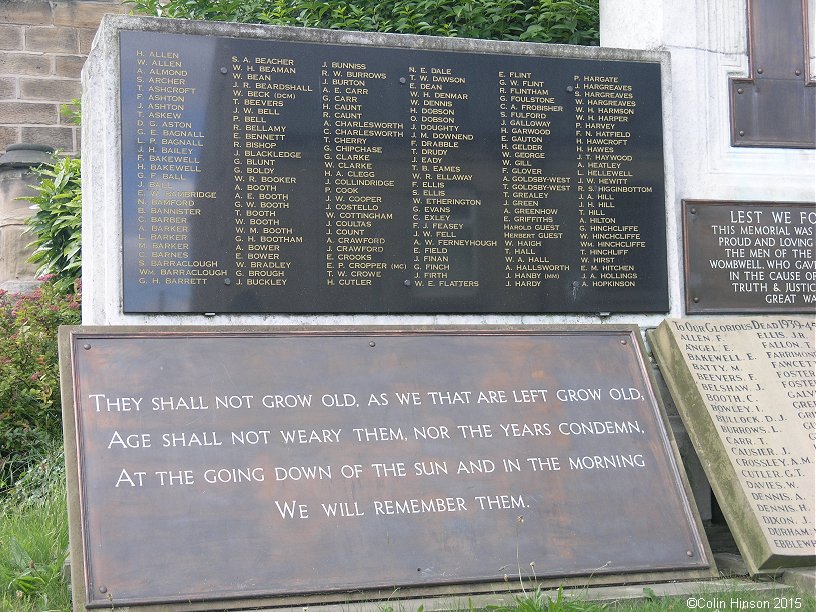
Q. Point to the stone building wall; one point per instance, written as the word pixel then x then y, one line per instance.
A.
pixel 43 46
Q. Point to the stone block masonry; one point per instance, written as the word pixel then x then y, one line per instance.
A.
pixel 43 46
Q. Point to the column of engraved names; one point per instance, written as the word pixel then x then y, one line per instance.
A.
pixel 788 347
pixel 757 420
pixel 604 107
pixel 357 190
pixel 440 185
pixel 168 149
pixel 264 90
pixel 792 353
pixel 531 220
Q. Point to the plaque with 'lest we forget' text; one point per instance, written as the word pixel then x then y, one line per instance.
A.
pixel 749 257
pixel 296 176
pixel 256 465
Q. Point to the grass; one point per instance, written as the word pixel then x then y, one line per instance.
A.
pixel 33 549
pixel 712 598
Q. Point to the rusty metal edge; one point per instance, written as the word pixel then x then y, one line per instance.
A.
pixel 690 306
pixel 70 335
pixel 74 497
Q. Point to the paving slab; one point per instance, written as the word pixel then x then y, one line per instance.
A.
pixel 703 593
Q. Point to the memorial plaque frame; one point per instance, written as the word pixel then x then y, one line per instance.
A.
pixel 79 344
pixel 469 246
pixel 712 290
pixel 775 106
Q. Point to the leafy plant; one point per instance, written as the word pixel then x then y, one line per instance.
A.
pixel 30 409
pixel 44 473
pixel 649 594
pixel 538 601
pixel 71 112
pixel 33 551
pixel 550 21
pixel 57 222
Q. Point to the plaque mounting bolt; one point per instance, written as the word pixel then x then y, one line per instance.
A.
pixel 223 70
pixel 696 299
pixel 372 344
pixel 742 132
pixel 623 342
pixel 760 71
pixel 103 589
pixel 739 91
pixel 87 347
pixel 402 80
pixel 227 281
pixel 693 211
pixel 797 72
pixel 407 283
pixel 689 553
pixel 570 88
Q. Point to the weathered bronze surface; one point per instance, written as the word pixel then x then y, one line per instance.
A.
pixel 743 257
pixel 279 176
pixel 744 387
pixel 240 465
pixel 776 105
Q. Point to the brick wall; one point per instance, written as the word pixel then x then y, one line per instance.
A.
pixel 43 45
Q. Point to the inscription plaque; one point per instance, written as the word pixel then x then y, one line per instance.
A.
pixel 746 390
pixel 279 176
pixel 323 461
pixel 749 257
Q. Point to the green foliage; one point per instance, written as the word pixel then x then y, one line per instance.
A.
pixel 44 473
pixel 649 594
pixel 57 222
pixel 71 112
pixel 30 409
pixel 33 549
pixel 549 21
pixel 538 601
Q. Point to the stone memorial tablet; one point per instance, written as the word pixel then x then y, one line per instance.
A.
pixel 285 176
pixel 746 390
pixel 238 465
pixel 749 257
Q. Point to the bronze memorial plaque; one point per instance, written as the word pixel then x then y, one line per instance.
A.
pixel 746 389
pixel 749 257
pixel 254 465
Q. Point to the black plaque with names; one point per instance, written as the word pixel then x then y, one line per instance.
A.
pixel 275 176
pixel 749 257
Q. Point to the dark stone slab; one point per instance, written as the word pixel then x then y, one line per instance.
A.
pixel 268 176
pixel 320 461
